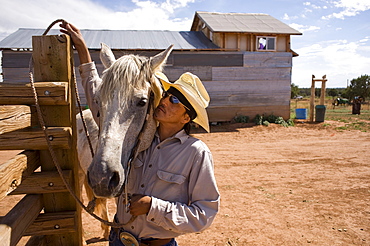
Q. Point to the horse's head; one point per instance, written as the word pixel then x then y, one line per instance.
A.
pixel 123 97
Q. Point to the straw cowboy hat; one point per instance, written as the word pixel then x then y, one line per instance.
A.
pixel 193 90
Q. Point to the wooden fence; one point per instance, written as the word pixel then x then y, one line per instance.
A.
pixel 47 213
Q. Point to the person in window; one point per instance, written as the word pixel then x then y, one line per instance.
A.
pixel 172 183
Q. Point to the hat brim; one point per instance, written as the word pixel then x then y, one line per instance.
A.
pixel 202 117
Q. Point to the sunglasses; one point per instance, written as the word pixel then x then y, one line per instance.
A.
pixel 173 99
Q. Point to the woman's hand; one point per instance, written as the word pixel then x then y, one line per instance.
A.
pixel 78 41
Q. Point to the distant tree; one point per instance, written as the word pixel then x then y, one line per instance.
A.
pixel 333 93
pixel 294 90
pixel 359 87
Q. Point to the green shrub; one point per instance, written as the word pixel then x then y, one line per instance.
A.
pixel 241 119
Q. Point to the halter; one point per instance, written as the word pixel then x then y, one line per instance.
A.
pixel 90 207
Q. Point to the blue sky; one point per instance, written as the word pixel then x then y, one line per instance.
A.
pixel 335 40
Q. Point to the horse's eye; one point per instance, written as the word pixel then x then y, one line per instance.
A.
pixel 142 102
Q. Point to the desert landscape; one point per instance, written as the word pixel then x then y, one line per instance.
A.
pixel 307 184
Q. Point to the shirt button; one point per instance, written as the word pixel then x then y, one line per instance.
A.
pixel 142 185
pixel 150 165
pixel 158 147
pixel 132 227
pixel 152 219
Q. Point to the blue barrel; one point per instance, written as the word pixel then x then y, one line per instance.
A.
pixel 301 113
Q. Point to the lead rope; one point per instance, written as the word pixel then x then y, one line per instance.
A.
pixel 89 208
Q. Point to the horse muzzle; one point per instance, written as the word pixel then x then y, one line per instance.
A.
pixel 111 185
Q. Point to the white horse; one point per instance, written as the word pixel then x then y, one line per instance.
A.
pixel 123 98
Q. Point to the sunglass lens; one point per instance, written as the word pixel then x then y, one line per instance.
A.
pixel 174 99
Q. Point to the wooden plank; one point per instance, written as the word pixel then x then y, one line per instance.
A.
pixel 53 57
pixel 15 223
pixel 174 72
pixel 250 73
pixel 16 75
pixel 44 182
pixel 214 59
pixel 16 59
pixel 248 86
pixel 53 223
pixel 15 170
pixel 49 93
pixel 35 241
pixel 34 139
pixel 267 59
pixel 14 117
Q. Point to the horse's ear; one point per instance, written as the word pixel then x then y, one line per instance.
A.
pixel 106 55
pixel 158 61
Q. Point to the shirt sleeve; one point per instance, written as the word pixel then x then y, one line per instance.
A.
pixel 203 204
pixel 90 82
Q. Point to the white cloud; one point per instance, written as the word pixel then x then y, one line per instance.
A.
pixel 338 59
pixel 350 8
pixel 83 13
pixel 304 28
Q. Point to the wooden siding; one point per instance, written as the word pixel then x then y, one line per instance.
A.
pixel 217 59
pixel 239 83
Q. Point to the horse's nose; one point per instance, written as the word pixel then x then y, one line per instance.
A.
pixel 114 181
pixel 110 186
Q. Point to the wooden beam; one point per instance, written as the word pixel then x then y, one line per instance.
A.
pixel 49 93
pixel 44 182
pixel 34 138
pixel 15 170
pixel 14 117
pixel 14 224
pixel 53 61
pixel 53 223
pixel 312 99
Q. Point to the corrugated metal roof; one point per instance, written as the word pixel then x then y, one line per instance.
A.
pixel 120 39
pixel 240 22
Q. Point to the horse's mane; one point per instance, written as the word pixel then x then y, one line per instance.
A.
pixel 127 73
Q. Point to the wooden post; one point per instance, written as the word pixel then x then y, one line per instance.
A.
pixel 53 61
pixel 322 96
pixel 323 89
pixel 312 99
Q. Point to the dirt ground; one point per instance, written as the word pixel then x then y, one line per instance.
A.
pixel 307 184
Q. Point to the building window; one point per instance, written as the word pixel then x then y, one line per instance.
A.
pixel 266 43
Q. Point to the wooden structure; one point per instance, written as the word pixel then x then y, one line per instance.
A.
pixel 246 67
pixel 322 94
pixel 47 212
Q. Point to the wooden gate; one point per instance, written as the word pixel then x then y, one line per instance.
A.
pixel 47 212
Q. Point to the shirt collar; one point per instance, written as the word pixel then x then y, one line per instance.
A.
pixel 181 135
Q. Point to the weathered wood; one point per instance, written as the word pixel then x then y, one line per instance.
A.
pixel 14 117
pixel 16 59
pixel 53 223
pixel 174 72
pixel 36 241
pixel 44 182
pixel 15 170
pixel 211 59
pixel 34 138
pixel 250 73
pixel 53 61
pixel 15 75
pixel 49 93
pixel 19 218
pixel 312 99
